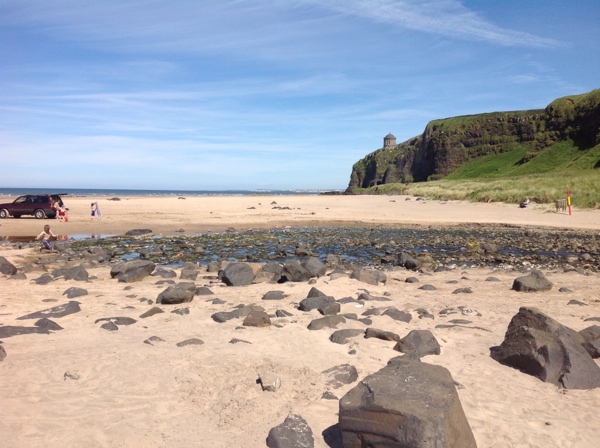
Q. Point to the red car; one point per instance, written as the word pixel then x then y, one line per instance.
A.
pixel 39 205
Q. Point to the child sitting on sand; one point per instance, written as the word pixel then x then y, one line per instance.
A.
pixel 45 236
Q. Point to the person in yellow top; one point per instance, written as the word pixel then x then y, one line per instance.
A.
pixel 45 237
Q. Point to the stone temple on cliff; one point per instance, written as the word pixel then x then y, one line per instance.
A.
pixel 389 140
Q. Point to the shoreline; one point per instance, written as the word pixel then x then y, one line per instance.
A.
pixel 172 216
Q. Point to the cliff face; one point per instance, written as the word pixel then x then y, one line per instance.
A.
pixel 447 144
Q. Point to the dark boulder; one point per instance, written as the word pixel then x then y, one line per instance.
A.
pixel 257 318
pixel 405 404
pixel 381 334
pixel 73 292
pixel 48 324
pixel 396 314
pixel 418 343
pixel 294 432
pixel 369 276
pixel 293 271
pixel 6 267
pixel 315 266
pixel 344 336
pixel 533 282
pixel 318 302
pixel 326 322
pixel 77 273
pixel 274 295
pixel 179 293
pixel 408 262
pixel 542 347
pixel 132 271
pixel 237 274
pixel 591 338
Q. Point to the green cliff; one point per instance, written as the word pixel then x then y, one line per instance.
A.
pixel 565 135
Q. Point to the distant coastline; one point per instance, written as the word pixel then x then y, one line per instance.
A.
pixel 110 192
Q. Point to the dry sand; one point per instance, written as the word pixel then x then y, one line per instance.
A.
pixel 132 394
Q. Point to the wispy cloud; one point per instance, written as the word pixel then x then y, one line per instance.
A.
pixel 445 17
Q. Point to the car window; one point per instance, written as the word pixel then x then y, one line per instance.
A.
pixel 21 200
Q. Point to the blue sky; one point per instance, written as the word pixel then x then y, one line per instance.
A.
pixel 252 94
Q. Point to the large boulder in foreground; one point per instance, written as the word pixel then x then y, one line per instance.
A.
pixel 406 404
pixel 542 347
pixel 535 281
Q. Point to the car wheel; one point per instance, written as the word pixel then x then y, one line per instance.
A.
pixel 4 213
pixel 39 214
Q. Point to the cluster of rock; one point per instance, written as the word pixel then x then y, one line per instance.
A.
pixel 406 403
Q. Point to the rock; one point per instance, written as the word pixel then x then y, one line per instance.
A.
pixel 6 267
pixel 294 432
pixel 48 324
pixel 2 353
pixel 492 279
pixel 540 346
pixel 370 276
pixel 326 322
pixel 534 282
pixel 317 302
pixel 269 382
pixel 315 266
pixel 408 262
pixel 344 336
pixel 411 280
pixel 18 276
pixel 181 311
pixel 77 273
pixel 189 273
pixel 117 320
pixel 109 326
pixel 418 343
pixel 151 312
pixel 380 334
pixel 137 232
pixel 132 271
pixel 176 294
pixel 257 318
pixel 237 274
pixel 55 312
pixel 405 404
pixel 203 291
pixel 591 340
pixel 341 375
pixel 73 292
pixel 214 266
pixel 164 273
pixel 43 279
pixel 274 295
pixel 293 271
pixel 463 291
pixel 283 313
pixel 152 339
pixel 191 341
pixel 396 314
pixel 428 287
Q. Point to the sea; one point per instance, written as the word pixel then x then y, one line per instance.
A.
pixel 82 192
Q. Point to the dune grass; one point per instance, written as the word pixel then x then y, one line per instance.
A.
pixel 542 188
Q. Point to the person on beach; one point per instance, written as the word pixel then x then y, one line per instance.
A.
pixel 96 211
pixel 45 237
pixel 57 209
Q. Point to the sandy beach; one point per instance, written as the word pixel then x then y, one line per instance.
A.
pixel 84 386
